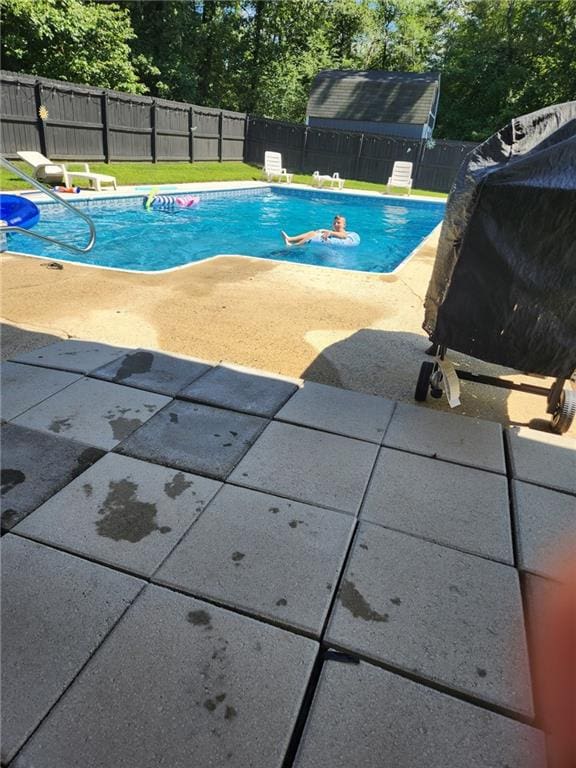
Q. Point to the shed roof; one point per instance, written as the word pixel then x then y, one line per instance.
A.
pixel 391 97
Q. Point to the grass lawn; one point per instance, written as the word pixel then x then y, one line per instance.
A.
pixel 174 173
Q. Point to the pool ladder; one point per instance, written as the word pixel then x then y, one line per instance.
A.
pixel 76 211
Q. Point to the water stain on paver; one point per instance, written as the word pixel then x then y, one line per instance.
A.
pixel 149 407
pixel 210 705
pixel 282 601
pixel 88 489
pixel 174 418
pixel 230 713
pixel 219 652
pixel 10 478
pixel 139 362
pixel 296 523
pixel 9 518
pixel 363 546
pixel 125 518
pixel 60 425
pixel 481 672
pixel 122 427
pixel 200 619
pixel 395 600
pixel 237 556
pixel 357 604
pixel 177 485
pixel 89 456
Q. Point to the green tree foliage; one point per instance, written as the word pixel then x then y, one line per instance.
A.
pixel 504 59
pixel 497 58
pixel 69 40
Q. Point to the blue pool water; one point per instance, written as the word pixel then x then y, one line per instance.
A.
pixel 245 222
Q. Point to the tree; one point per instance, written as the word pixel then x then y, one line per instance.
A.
pixel 505 59
pixel 81 42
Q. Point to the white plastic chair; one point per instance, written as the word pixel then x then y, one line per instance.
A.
pixel 401 176
pixel 51 173
pixel 319 179
pixel 273 168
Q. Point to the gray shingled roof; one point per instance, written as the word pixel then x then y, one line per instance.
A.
pixel 391 97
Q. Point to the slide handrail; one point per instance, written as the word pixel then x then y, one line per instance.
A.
pixel 69 246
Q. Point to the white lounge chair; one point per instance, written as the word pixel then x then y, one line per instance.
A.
pixel 319 179
pixel 273 168
pixel 401 176
pixel 54 173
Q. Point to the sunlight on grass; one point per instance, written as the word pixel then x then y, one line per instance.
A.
pixel 179 173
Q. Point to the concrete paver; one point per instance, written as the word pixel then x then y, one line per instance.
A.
pixel 144 369
pixel 24 386
pixel 122 512
pixel 546 528
pixel 72 355
pixel 452 505
pixel 352 414
pixel 544 459
pixel 445 436
pixel 541 598
pixel 34 466
pixel 56 610
pixel 94 412
pixel 195 438
pixel 447 616
pixel 310 466
pixel 274 558
pixel 241 390
pixel 179 680
pixel 365 716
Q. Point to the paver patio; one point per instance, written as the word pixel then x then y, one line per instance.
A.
pixel 284 575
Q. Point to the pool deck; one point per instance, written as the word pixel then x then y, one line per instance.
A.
pixel 355 330
pixel 220 565
pixel 246 566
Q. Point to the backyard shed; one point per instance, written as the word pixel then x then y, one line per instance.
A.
pixel 373 101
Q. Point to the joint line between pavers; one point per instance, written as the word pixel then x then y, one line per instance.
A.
pixel 304 711
pixel 435 457
pixel 268 620
pixel 511 503
pixel 348 551
pixel 80 670
pixel 436 685
pixel 438 543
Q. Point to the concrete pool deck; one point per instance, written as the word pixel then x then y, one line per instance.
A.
pixel 355 330
pixel 220 565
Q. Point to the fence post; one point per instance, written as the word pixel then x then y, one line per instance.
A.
pixel 154 135
pixel 358 155
pixel 41 123
pixel 220 137
pixel 245 150
pixel 191 133
pixel 105 128
pixel 303 150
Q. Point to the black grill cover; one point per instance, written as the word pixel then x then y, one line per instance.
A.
pixel 503 287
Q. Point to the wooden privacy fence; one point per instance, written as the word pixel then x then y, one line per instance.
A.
pixel 85 123
pixel 365 157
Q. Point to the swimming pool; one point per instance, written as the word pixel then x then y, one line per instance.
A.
pixel 241 222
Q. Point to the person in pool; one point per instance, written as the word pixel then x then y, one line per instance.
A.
pixel 338 231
